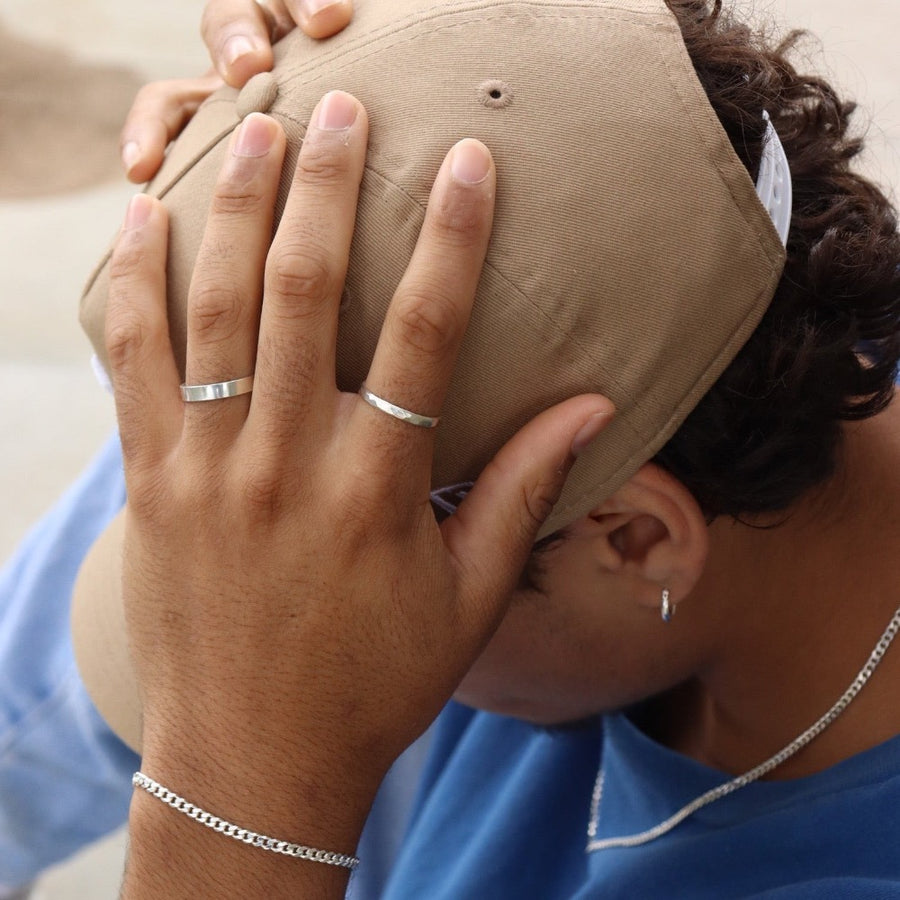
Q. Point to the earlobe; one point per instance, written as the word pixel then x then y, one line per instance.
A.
pixel 652 531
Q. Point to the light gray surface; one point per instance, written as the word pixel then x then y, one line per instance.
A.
pixel 55 416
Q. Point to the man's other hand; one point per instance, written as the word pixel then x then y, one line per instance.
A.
pixel 239 35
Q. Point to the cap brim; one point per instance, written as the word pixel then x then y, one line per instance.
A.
pixel 100 636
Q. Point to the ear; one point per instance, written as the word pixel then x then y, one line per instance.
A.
pixel 653 533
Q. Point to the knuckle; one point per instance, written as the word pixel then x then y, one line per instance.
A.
pixel 531 500
pixel 537 502
pixel 323 162
pixel 372 501
pixel 300 273
pixel 126 337
pixel 197 486
pixel 128 259
pixel 236 196
pixel 460 218
pixel 215 310
pixel 427 323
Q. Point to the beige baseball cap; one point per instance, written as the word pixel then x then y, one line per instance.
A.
pixel 631 254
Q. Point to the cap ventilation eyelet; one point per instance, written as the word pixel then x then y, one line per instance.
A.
pixel 494 94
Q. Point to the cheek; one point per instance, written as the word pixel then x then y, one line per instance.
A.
pixel 558 659
pixel 543 665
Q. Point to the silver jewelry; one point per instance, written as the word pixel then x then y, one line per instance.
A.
pixel 139 779
pixel 740 781
pixel 666 607
pixel 398 412
pixel 219 390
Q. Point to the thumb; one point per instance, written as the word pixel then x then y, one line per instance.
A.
pixel 493 531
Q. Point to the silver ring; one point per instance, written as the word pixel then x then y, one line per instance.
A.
pixel 219 390
pixel 398 412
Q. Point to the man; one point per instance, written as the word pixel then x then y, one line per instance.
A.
pixel 754 621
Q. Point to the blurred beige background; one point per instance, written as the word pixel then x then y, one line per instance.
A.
pixel 54 414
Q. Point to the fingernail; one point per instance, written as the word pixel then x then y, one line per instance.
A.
pixel 337 111
pixel 471 162
pixel 138 211
pixel 311 8
pixel 130 154
pixel 589 431
pixel 255 136
pixel 236 47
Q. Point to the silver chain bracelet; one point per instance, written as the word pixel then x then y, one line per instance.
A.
pixel 299 851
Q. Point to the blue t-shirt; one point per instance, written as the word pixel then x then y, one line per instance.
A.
pixel 503 812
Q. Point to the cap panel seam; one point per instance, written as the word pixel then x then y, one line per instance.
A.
pixel 772 250
pixel 381 42
pixel 210 145
pixel 657 441
pixel 296 70
pixel 527 300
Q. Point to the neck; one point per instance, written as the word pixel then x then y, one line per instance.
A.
pixel 797 610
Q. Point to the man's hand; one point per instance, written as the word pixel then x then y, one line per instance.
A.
pixel 296 615
pixel 157 116
pixel 239 35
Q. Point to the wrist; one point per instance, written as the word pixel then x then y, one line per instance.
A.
pixel 231 830
pixel 174 857
pixel 294 790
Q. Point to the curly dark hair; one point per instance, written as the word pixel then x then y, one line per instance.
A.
pixel 827 349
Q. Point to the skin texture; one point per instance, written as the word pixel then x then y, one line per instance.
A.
pixel 222 494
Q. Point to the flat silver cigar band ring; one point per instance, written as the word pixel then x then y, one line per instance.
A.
pixel 219 390
pixel 398 412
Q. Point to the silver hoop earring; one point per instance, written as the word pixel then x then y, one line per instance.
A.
pixel 666 607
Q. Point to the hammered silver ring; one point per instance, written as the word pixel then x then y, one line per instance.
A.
pixel 398 412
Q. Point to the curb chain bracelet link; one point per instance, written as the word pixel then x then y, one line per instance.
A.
pixel 298 851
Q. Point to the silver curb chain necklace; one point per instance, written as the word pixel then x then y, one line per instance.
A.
pixel 754 774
